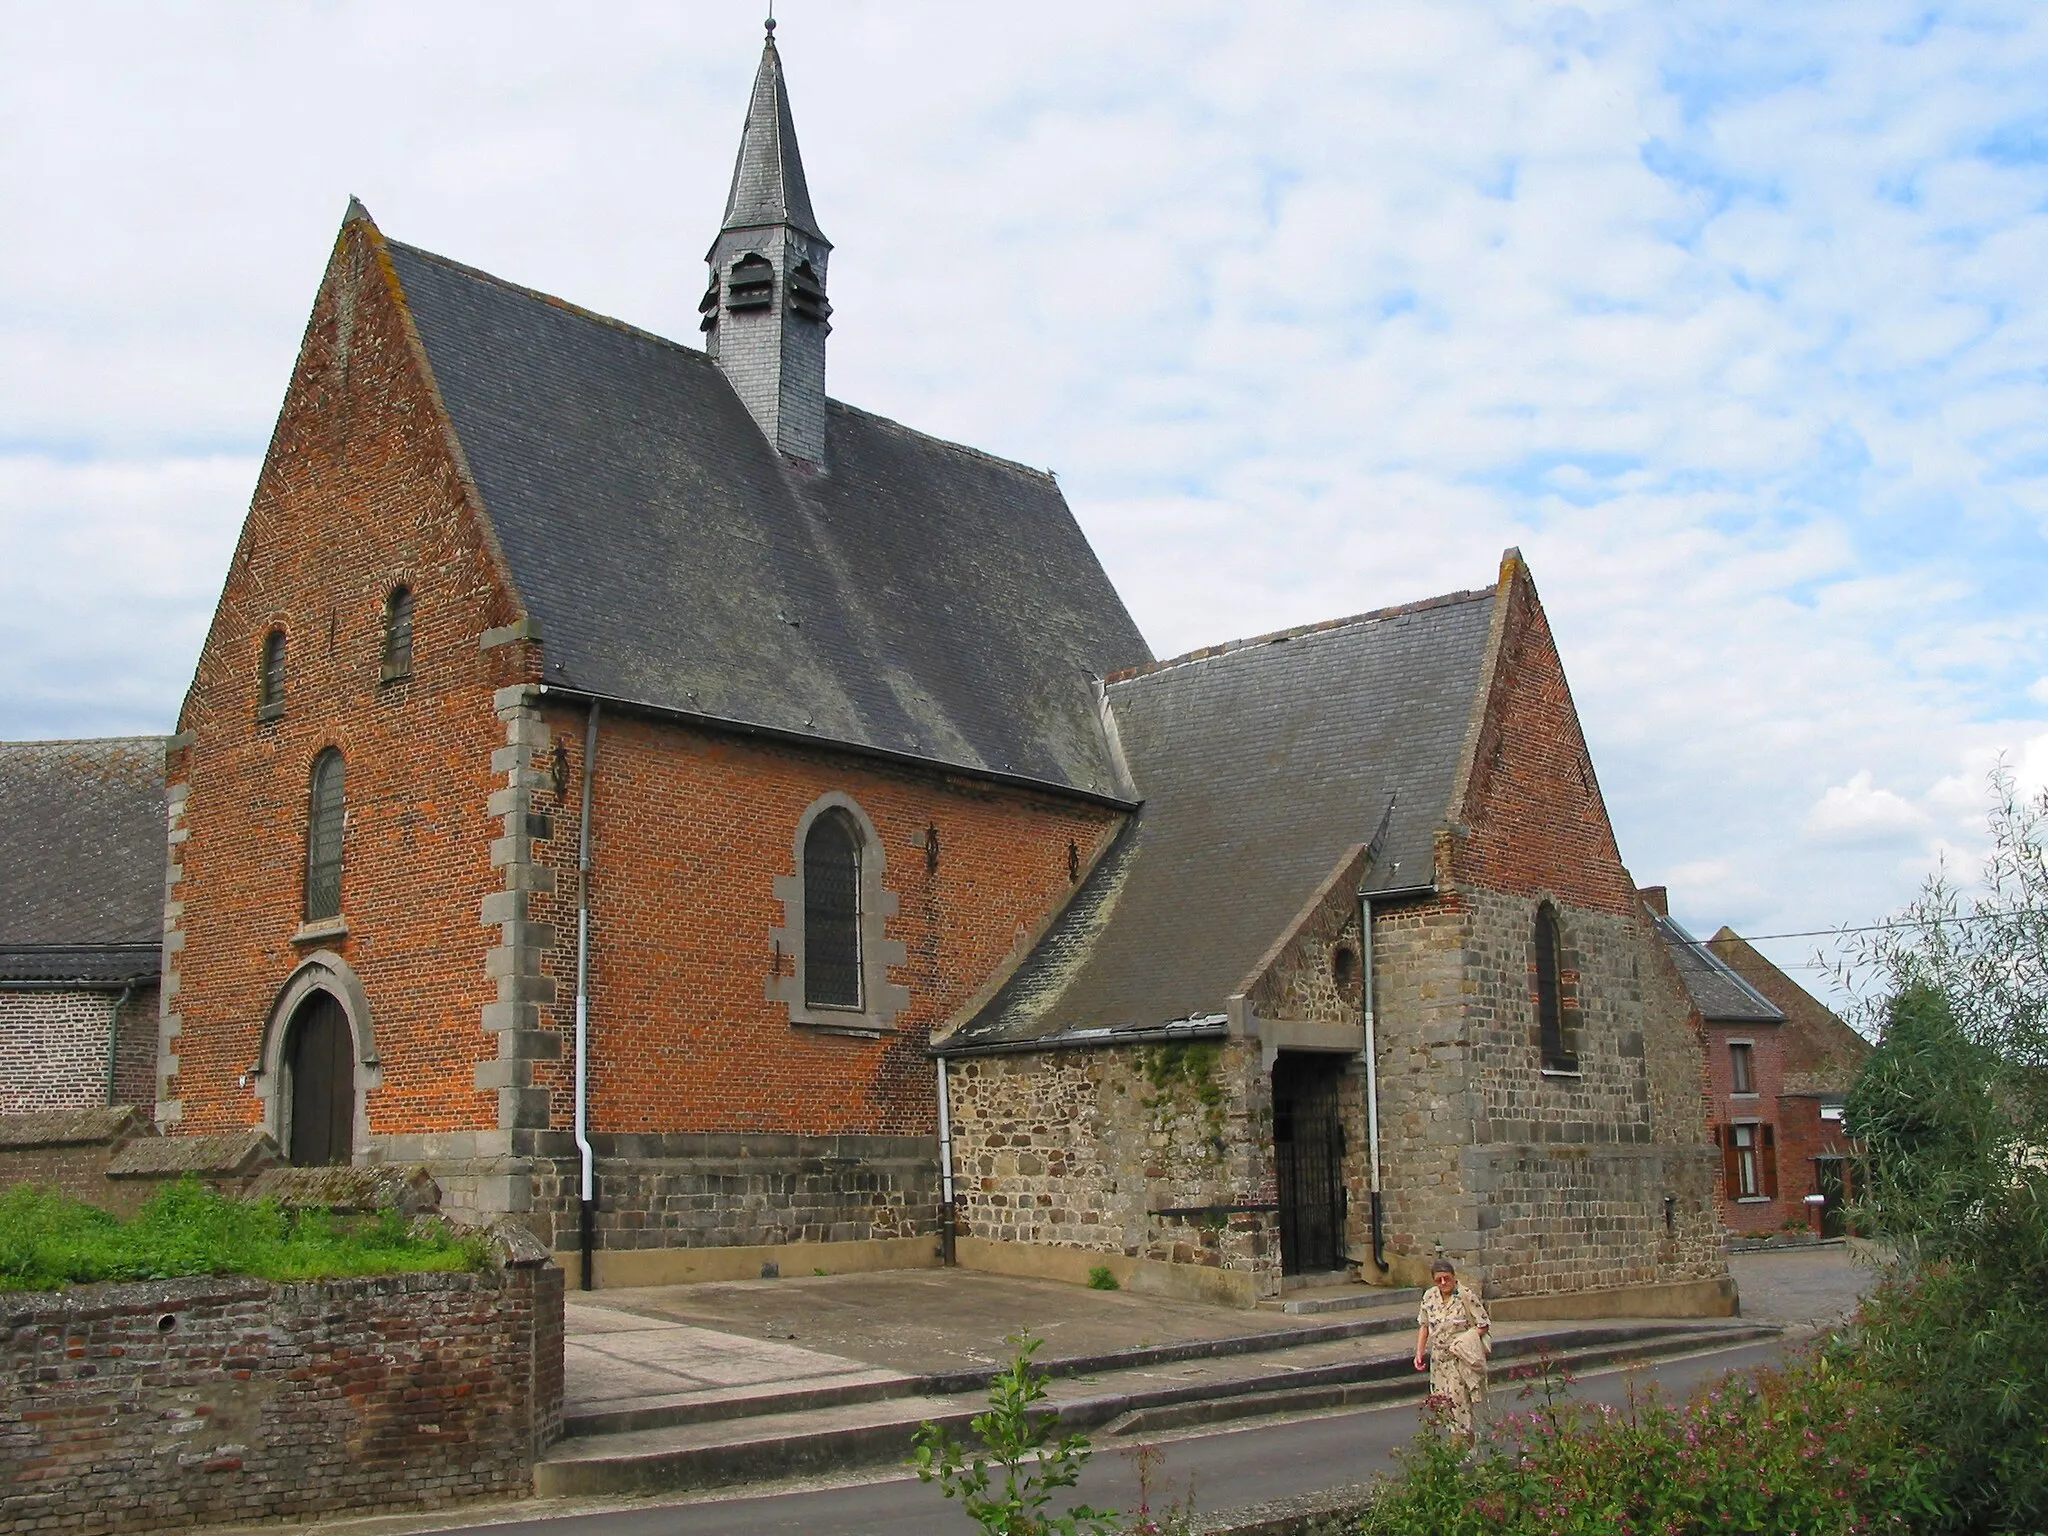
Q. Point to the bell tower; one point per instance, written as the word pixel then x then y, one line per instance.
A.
pixel 765 316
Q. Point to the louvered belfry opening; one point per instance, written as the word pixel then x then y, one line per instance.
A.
pixel 324 824
pixel 320 1056
pixel 832 913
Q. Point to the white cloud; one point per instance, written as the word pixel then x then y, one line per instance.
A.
pixel 1858 812
pixel 1733 324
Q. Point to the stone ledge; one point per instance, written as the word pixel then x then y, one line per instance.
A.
pixel 1142 1277
pixel 1673 1298
pixel 614 1267
pixel 236 1155
pixel 73 1128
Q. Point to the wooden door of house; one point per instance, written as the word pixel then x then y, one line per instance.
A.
pixel 321 1053
pixel 1308 1148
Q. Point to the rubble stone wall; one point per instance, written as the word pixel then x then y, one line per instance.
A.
pixel 1159 1152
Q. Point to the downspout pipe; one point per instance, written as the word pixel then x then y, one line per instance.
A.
pixel 947 1210
pixel 586 1207
pixel 114 1042
pixel 1372 1083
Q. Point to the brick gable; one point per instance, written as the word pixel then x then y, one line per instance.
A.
pixel 1532 817
pixel 362 489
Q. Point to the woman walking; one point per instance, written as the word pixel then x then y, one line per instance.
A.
pixel 1452 1331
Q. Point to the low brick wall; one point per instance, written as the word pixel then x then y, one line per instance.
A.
pixel 177 1403
pixel 68 1150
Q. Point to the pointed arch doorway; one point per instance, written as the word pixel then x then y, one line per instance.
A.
pixel 321 1066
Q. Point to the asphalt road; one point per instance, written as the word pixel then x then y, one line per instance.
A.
pixel 1231 1468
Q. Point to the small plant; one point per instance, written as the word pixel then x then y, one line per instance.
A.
pixel 1100 1279
pixel 1006 1489
pixel 1177 1518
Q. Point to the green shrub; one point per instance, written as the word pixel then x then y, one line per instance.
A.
pixel 1100 1279
pixel 1807 1450
pixel 48 1240
pixel 1006 1488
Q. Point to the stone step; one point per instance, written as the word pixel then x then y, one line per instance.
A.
pixel 810 1442
pixel 706 1408
pixel 1354 1297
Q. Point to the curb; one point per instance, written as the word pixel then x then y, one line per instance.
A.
pixel 807 1451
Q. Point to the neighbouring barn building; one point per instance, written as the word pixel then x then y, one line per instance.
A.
pixel 715 824
pixel 81 922
pixel 1780 1065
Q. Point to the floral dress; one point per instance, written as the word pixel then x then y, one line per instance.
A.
pixel 1450 1377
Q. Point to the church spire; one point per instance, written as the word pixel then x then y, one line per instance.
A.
pixel 765 311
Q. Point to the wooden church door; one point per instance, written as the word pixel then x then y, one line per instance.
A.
pixel 323 1071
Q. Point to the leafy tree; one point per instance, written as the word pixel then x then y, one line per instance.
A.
pixel 1952 1114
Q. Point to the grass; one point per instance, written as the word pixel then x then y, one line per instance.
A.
pixel 49 1241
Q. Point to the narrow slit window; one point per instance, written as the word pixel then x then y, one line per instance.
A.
pixel 324 822
pixel 270 685
pixel 398 634
pixel 832 913
pixel 1560 1053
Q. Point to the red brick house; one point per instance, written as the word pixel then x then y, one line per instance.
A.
pixel 81 922
pixel 616 772
pixel 1820 1058
pixel 1781 1065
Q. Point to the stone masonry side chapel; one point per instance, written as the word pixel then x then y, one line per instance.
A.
pixel 1579 1164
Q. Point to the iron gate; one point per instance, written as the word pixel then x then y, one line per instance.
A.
pixel 1308 1147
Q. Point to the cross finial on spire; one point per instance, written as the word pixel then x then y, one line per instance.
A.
pixel 770 23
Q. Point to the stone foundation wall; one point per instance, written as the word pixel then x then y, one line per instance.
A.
pixel 177 1403
pixel 53 1049
pixel 1147 1152
pixel 699 1191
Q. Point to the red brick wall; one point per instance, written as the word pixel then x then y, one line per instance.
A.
pixel 1766 1075
pixel 359 492
pixel 200 1402
pixel 1537 825
pixel 1802 1137
pixel 690 832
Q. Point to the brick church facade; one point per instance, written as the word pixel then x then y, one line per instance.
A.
pixel 725 829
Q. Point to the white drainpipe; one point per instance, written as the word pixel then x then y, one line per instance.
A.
pixel 585 1209
pixel 1372 1083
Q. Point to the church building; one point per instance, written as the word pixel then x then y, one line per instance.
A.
pixel 734 833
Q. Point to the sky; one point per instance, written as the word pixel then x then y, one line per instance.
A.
pixel 1730 316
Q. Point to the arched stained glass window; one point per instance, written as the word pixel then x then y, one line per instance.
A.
pixel 270 686
pixel 323 838
pixel 1560 1053
pixel 832 913
pixel 398 634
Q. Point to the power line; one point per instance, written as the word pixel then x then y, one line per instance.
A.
pixel 1922 922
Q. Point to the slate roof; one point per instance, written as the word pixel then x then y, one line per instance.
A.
pixel 81 859
pixel 1261 764
pixel 1721 995
pixel 768 186
pixel 920 598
